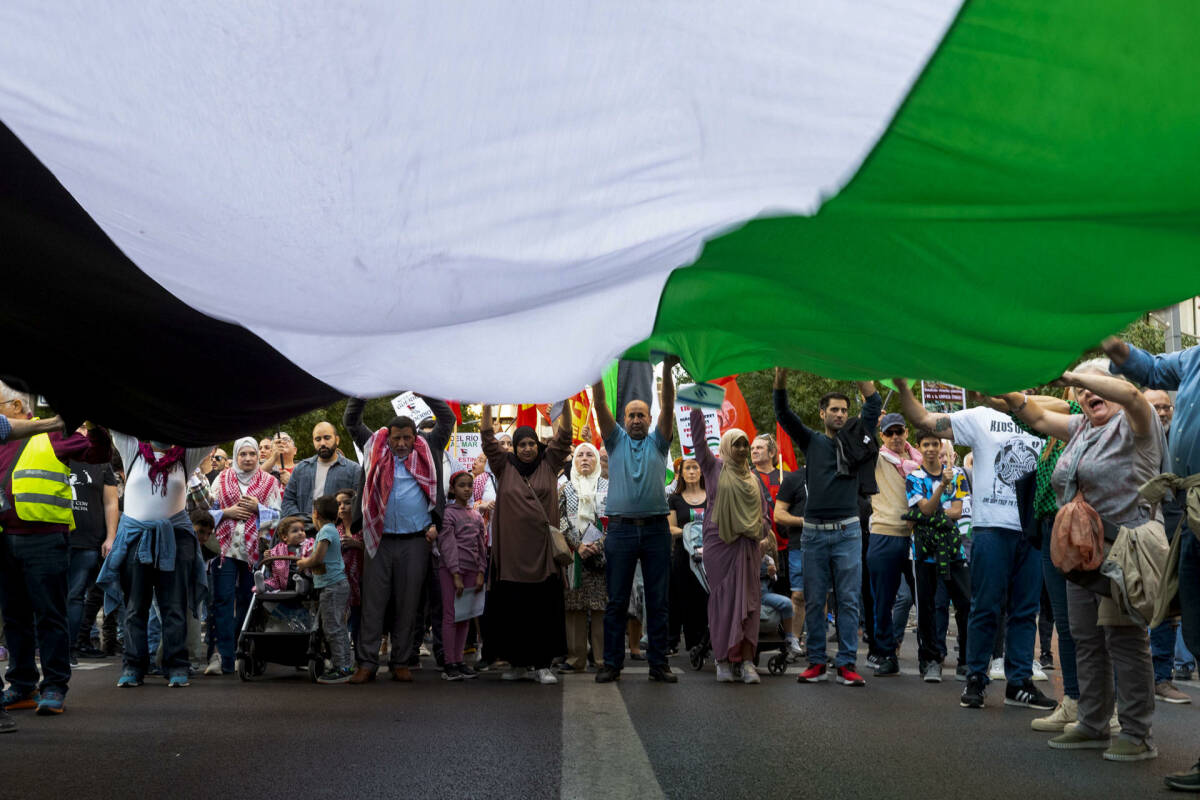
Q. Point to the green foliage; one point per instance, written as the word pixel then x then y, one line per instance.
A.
pixel 804 392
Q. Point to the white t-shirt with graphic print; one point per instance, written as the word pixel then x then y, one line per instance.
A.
pixel 1003 453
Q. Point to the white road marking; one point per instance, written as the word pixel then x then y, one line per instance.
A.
pixel 602 755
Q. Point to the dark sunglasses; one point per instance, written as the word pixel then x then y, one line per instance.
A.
pixel 894 432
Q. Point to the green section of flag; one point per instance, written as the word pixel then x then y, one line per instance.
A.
pixel 1038 189
pixel 610 387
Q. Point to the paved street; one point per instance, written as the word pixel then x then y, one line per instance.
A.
pixel 285 737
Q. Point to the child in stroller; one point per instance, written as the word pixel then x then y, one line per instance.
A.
pixel 782 606
pixel 282 625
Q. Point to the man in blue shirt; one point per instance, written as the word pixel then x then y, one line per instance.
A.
pixel 1179 371
pixel 637 524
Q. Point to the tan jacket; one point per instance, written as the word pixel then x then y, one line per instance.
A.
pixel 1136 568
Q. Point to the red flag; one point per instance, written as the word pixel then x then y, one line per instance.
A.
pixel 527 414
pixel 787 455
pixel 734 413
pixel 456 407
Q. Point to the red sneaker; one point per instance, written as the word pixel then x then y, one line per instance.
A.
pixel 846 676
pixel 814 674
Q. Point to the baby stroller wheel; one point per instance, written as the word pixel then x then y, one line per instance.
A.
pixel 777 664
pixel 314 668
pixel 244 669
pixel 696 657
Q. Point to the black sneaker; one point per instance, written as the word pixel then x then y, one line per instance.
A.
pixel 1047 660
pixel 7 723
pixel 888 667
pixel 450 672
pixel 663 674
pixel 961 672
pixel 1188 781
pixel 74 659
pixel 467 672
pixel 1183 674
pixel 874 660
pixel 1026 695
pixel 87 651
pixel 607 674
pixel 973 693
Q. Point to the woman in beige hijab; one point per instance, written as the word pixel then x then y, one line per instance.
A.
pixel 736 525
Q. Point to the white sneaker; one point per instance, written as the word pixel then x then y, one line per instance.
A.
pixel 1038 673
pixel 1065 714
pixel 724 673
pixel 793 647
pixel 996 669
pixel 545 676
pixel 750 674
pixel 514 674
pixel 214 665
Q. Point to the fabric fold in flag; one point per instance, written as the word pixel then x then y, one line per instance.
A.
pixel 349 197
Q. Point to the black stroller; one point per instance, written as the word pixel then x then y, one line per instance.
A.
pixel 770 635
pixel 281 627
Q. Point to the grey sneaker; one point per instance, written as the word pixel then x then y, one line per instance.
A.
pixel 932 672
pixel 1072 739
pixel 1126 750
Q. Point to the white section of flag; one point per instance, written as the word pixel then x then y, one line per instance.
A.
pixel 449 195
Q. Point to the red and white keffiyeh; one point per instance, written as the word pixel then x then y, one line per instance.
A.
pixel 381 469
pixel 227 491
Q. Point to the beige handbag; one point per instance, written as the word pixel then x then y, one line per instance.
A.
pixel 559 550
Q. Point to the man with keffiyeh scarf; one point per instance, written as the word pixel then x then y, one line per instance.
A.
pixel 402 504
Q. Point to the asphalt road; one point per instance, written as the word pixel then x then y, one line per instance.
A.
pixel 285 737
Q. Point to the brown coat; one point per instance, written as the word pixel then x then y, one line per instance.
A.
pixel 520 538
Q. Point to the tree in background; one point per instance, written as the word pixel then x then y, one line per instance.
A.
pixel 804 390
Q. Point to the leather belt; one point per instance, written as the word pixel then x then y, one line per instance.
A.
pixel 638 521
pixel 839 525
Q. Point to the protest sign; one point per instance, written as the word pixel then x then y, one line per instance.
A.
pixel 411 406
pixel 712 432
pixel 943 398
pixel 466 447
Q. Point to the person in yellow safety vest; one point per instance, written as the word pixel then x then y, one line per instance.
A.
pixel 35 518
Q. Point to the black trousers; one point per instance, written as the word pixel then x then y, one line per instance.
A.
pixel 958 585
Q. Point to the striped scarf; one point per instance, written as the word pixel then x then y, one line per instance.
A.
pixel 381 472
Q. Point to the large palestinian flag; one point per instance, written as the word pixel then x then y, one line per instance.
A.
pixel 214 215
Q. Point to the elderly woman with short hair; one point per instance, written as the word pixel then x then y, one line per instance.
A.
pixel 1113 447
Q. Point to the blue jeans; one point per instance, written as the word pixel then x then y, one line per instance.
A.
pixel 1056 588
pixel 1184 660
pixel 1189 588
pixel 833 560
pixel 231 589
pixel 82 569
pixel 142 585
pixel 796 570
pixel 782 605
pixel 33 595
pixel 887 561
pixel 1003 563
pixel 1162 650
pixel 624 545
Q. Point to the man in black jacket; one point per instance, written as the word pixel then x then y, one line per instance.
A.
pixel 832 534
pixel 397 571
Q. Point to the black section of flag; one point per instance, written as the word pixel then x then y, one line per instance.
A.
pixel 84 327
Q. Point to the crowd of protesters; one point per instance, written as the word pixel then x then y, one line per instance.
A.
pixel 547 559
